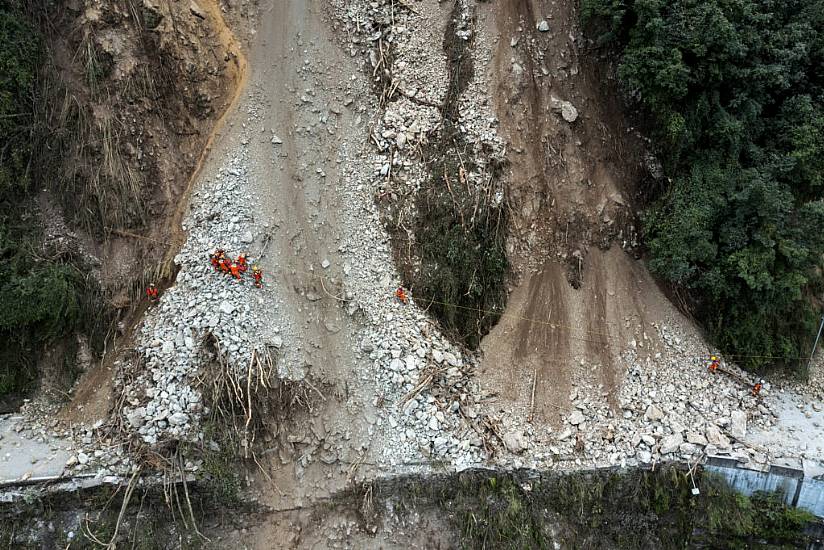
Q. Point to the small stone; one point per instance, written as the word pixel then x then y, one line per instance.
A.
pixel 576 418
pixel 276 140
pixel 515 442
pixel 325 264
pixel 226 307
pixel 82 458
pixel 568 111
pixel 137 417
pixel 71 461
pixel 696 438
pixel 687 448
pixel 645 457
pixel 543 25
pixel 247 237
pixel 653 413
pixel 450 358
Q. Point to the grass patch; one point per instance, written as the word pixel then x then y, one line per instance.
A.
pixel 595 510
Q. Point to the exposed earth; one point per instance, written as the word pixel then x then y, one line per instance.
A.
pixel 590 364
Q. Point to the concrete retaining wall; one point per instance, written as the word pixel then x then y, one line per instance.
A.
pixel 805 492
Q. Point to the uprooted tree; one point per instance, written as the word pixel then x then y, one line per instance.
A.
pixel 734 89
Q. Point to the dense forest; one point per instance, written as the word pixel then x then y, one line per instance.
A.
pixel 732 91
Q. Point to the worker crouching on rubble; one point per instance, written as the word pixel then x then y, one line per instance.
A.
pixel 216 258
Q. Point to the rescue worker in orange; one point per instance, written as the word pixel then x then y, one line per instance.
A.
pixel 757 388
pixel 216 258
pixel 400 294
pixel 714 364
pixel 241 263
pixel 235 270
pixel 225 265
pixel 257 274
pixel 151 293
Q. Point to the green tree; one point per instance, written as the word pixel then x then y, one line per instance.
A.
pixel 735 88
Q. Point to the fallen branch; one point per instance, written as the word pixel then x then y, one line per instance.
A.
pixel 426 379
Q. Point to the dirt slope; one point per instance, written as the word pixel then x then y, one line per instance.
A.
pixel 172 120
pixel 580 298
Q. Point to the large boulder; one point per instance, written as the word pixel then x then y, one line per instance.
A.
pixel 716 438
pixel 515 442
pixel 738 424
pixel 671 443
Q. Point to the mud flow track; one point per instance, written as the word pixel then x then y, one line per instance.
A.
pixel 569 187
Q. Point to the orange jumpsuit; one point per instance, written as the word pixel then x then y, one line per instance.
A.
pixel 401 295
pixel 235 270
pixel 241 263
pixel 258 276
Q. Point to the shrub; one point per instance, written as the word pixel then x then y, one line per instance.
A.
pixel 735 91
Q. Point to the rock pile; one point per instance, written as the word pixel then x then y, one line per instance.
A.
pixel 162 402
pixel 669 407
pixel 424 377
pixel 427 405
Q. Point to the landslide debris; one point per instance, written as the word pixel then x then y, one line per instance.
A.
pixel 446 214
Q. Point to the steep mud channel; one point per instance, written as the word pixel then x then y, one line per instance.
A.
pixel 581 297
pixel 237 75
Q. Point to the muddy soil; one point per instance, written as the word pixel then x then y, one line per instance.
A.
pixel 165 128
pixel 581 294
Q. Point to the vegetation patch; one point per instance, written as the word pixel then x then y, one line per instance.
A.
pixel 458 266
pixel 601 509
pixel 736 93
pixel 44 292
pixel 96 518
